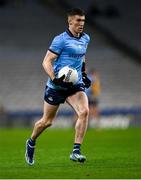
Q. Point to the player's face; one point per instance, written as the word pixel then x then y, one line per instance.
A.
pixel 77 23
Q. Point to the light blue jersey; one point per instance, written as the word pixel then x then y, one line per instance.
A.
pixel 71 51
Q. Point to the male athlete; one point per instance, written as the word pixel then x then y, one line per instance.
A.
pixel 67 49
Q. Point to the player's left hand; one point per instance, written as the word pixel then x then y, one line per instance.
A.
pixel 86 80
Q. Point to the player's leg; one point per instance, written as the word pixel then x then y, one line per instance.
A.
pixel 79 103
pixel 46 121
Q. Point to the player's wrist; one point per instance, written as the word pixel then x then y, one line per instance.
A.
pixel 52 77
pixel 84 74
pixel 55 80
pixel 83 67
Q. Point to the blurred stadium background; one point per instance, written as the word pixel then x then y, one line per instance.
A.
pixel 26 30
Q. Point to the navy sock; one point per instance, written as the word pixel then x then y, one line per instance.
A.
pixel 76 148
pixel 31 142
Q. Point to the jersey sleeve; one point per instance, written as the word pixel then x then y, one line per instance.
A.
pixel 57 45
pixel 87 38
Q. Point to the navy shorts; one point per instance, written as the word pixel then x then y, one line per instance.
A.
pixel 56 97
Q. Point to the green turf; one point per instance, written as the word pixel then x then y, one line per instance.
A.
pixel 110 154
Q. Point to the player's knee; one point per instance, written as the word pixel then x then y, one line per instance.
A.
pixel 44 124
pixel 84 113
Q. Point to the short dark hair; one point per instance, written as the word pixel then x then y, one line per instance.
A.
pixel 75 11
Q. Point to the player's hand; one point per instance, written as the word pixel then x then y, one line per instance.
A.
pixel 61 83
pixel 86 80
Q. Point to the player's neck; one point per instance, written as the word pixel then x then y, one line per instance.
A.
pixel 74 33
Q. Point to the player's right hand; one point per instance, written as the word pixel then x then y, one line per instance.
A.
pixel 61 83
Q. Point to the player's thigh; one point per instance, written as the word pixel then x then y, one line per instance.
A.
pixel 79 102
pixel 50 111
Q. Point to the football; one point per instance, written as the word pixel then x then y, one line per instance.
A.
pixel 71 74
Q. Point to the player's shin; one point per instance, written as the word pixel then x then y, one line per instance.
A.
pixel 39 127
pixel 80 130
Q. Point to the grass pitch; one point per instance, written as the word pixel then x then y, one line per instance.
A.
pixel 110 154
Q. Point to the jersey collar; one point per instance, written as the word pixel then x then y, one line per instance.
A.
pixel 70 34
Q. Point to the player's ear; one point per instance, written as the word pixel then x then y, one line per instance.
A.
pixel 69 20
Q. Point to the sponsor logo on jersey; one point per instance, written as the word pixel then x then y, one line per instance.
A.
pixel 77 56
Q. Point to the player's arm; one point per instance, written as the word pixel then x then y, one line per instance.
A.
pixel 48 67
pixel 47 64
pixel 85 78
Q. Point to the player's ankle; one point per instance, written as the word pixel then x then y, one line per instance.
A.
pixel 76 148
